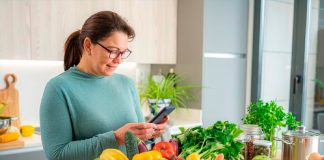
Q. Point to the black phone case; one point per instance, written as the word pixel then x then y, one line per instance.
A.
pixel 164 112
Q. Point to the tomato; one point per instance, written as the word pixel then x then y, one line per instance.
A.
pixel 220 157
pixel 167 149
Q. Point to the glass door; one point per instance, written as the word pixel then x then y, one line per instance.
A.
pixel 313 112
pixel 272 51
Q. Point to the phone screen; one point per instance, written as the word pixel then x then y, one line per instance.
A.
pixel 163 113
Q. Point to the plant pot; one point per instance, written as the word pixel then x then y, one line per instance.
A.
pixel 155 106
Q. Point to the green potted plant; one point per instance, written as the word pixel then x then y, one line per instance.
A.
pixel 269 116
pixel 168 91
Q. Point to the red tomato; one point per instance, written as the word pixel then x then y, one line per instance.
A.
pixel 220 157
pixel 167 150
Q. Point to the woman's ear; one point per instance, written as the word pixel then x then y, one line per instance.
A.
pixel 87 47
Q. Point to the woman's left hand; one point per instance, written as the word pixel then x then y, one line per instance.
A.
pixel 160 128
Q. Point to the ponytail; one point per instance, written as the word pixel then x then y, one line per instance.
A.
pixel 72 50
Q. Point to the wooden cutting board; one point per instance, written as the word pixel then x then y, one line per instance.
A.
pixel 10 96
pixel 12 145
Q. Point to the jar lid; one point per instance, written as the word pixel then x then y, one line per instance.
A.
pixel 262 143
pixel 301 132
pixel 251 128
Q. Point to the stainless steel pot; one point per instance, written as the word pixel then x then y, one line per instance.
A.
pixel 297 145
pixel 5 123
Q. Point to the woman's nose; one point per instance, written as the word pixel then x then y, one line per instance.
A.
pixel 118 59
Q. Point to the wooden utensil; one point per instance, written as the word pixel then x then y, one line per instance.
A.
pixel 10 96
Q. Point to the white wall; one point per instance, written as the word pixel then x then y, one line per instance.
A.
pixel 32 77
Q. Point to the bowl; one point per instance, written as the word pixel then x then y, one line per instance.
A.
pixel 5 123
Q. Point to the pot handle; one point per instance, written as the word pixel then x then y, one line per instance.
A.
pixel 282 140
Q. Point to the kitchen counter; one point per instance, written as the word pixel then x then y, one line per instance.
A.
pixel 32 144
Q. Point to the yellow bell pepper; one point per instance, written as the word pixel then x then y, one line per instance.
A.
pixel 112 154
pixel 193 156
pixel 150 155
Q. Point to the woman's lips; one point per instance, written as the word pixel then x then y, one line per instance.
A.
pixel 111 67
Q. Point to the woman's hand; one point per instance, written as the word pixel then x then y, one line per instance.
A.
pixel 160 128
pixel 143 131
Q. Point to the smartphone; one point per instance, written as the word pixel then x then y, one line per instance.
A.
pixel 163 113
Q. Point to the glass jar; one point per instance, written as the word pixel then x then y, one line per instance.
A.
pixel 262 147
pixel 250 134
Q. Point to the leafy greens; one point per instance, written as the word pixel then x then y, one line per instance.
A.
pixel 209 142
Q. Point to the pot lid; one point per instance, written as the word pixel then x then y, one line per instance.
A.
pixel 301 132
pixel 262 143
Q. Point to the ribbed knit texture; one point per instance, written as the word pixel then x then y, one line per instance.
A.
pixel 79 113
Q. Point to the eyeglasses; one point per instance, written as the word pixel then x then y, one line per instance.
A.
pixel 115 53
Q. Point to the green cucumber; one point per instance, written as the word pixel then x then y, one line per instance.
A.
pixel 131 143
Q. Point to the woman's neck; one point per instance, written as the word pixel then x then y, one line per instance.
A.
pixel 84 66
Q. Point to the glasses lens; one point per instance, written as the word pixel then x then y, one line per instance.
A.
pixel 126 54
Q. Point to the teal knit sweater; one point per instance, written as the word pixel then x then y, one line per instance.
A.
pixel 79 113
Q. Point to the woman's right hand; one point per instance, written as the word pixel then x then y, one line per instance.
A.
pixel 143 131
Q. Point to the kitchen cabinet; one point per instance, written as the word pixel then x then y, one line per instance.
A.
pixel 37 29
pixel 15 30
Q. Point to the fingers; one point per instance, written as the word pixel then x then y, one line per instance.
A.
pixel 143 131
pixel 165 119
pixel 142 125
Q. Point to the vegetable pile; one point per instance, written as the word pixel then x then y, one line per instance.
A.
pixel 208 143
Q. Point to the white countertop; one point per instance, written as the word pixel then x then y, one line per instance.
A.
pixel 179 118
pixel 32 143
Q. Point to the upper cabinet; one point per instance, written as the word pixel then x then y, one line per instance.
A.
pixel 15 30
pixel 37 29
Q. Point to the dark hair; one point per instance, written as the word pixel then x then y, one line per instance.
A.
pixel 97 27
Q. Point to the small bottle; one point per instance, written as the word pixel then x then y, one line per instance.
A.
pixel 172 75
pixel 250 134
pixel 262 147
pixel 158 78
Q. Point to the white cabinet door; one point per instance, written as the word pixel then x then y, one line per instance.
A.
pixel 15 29
pixel 38 29
pixel 155 24
pixel 52 22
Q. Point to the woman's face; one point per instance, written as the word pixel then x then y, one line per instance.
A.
pixel 101 63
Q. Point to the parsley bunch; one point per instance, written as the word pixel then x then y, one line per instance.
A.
pixel 209 142
pixel 269 116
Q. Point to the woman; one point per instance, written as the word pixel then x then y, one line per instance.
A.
pixel 88 108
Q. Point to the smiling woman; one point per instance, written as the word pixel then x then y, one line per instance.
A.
pixel 89 108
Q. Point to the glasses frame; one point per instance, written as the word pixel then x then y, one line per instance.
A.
pixel 116 52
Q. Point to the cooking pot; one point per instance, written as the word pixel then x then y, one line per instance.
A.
pixel 298 144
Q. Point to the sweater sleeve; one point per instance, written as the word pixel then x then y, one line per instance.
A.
pixel 57 131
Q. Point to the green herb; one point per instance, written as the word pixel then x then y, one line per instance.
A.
pixel 269 116
pixel 209 142
pixel 168 88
